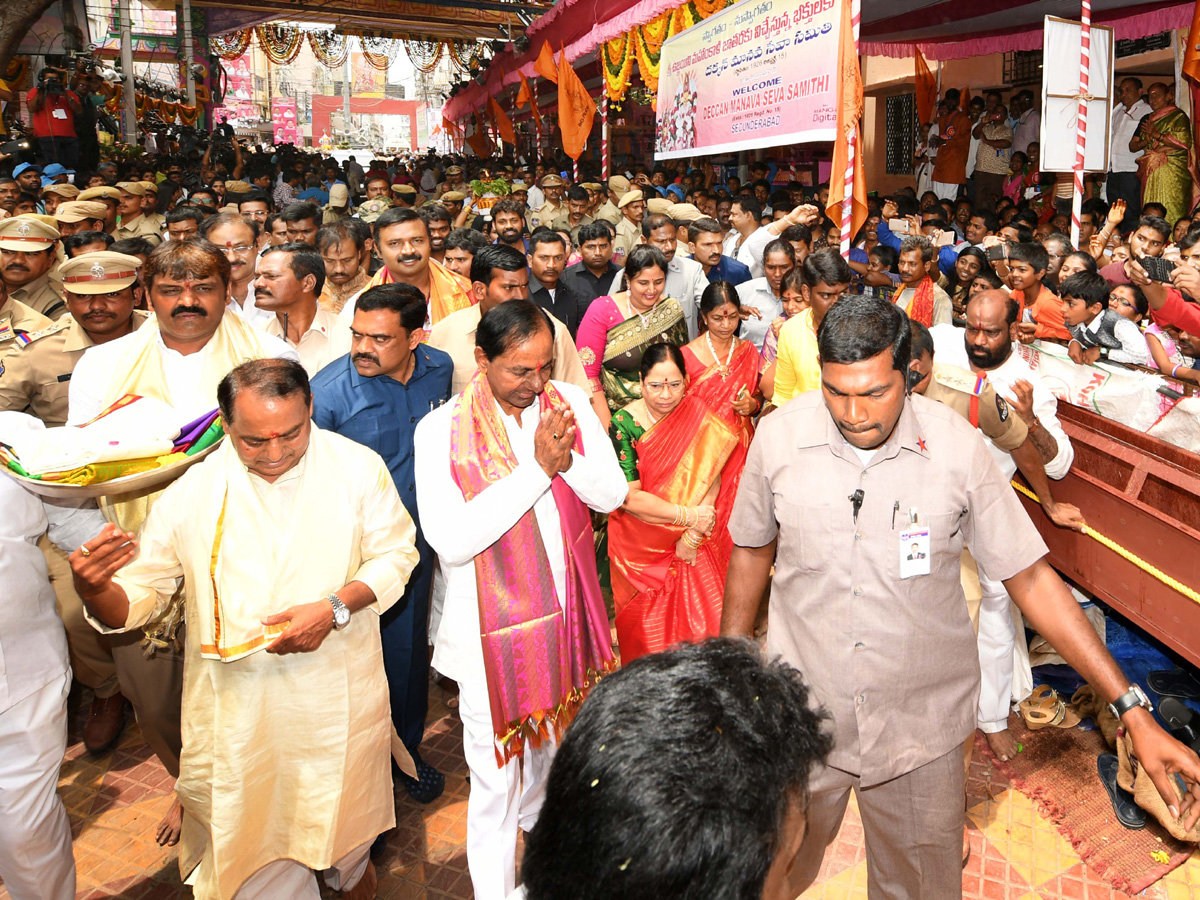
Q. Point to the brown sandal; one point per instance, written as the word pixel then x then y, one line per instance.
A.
pixel 1044 709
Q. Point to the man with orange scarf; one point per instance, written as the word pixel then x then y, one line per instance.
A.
pixel 506 473
pixel 402 237
pixel 923 300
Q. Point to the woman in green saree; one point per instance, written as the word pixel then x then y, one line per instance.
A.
pixel 1167 164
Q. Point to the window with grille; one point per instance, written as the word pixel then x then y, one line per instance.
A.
pixel 1023 67
pixel 900 112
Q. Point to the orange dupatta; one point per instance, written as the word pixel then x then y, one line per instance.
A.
pixel 448 292
pixel 661 600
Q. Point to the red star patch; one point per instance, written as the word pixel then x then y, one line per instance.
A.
pixel 921 444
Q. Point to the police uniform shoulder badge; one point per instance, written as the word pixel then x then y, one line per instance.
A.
pixel 1001 408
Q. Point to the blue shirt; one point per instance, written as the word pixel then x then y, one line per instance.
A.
pixel 314 195
pixel 381 413
pixel 729 269
pixel 947 256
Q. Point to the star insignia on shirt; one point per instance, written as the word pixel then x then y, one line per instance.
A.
pixel 921 444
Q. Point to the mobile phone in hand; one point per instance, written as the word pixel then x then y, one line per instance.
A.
pixel 996 253
pixel 898 226
pixel 1157 268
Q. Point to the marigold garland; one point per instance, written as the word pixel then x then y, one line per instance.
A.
pixel 280 43
pixel 618 66
pixel 379 53
pixel 231 46
pixel 329 48
pixel 424 55
pixel 188 114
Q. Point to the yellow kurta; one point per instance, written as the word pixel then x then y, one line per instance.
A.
pixel 284 757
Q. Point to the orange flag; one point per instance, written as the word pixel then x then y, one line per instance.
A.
pixel 525 95
pixel 576 108
pixel 1191 59
pixel 479 141
pixel 926 89
pixel 850 107
pixel 544 64
pixel 504 125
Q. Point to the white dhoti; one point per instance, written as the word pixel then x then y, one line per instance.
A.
pixel 35 835
pixel 501 800
pixel 286 879
pixel 1005 675
pixel 945 190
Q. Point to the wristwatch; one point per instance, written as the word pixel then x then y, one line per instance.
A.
pixel 1135 696
pixel 341 614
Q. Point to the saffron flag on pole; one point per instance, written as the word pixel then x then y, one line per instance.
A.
pixel 1191 59
pixel 479 141
pixel 504 125
pixel 849 111
pixel 544 64
pixel 927 94
pixel 525 95
pixel 576 108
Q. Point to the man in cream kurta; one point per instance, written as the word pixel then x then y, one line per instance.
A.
pixel 277 538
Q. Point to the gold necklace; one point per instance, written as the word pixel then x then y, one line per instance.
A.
pixel 722 367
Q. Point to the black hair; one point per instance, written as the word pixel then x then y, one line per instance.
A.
pixel 595 231
pixel 989 275
pixel 1140 303
pixel 578 194
pixel 749 204
pixel 73 242
pixel 781 201
pixel 255 196
pixel 704 225
pixel 134 246
pixel 1031 253
pixel 826 266
pixel 689 797
pixel 990 222
pixel 466 239
pixel 510 323
pixel 510 206
pixel 858 328
pixel 717 294
pixel 919 243
pixel 545 236
pixel 398 215
pixel 183 214
pixel 793 280
pixel 660 353
pixel 1091 289
pixel 654 221
pixel 643 256
pixel 1158 223
pixel 435 212
pixel 228 218
pixel 300 210
pixel 976 254
pixel 303 260
pixel 800 233
pixel 496 256
pixel 1154 205
pixel 1024 233
pixel 329 236
pixel 403 299
pixel 274 378
pixel 779 245
pixel 922 340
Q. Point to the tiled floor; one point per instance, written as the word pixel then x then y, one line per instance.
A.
pixel 116 801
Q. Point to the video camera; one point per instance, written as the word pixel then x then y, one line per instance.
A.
pixel 52 80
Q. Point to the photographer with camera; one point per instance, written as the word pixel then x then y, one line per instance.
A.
pixel 53 107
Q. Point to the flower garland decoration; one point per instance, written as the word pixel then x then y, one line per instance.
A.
pixel 465 55
pixel 647 46
pixel 424 55
pixel 230 46
pixel 618 66
pixel 280 43
pixel 188 114
pixel 329 48
pixel 379 53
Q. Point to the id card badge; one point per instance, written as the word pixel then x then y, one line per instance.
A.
pixel 59 113
pixel 914 551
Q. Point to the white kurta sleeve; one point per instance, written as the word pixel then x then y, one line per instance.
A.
pixel 596 476
pixel 751 252
pixel 71 524
pixel 1045 407
pixel 456 529
pixel 84 399
pixel 388 544
pixel 156 572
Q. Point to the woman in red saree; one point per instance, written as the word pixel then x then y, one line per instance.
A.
pixel 667 561
pixel 723 371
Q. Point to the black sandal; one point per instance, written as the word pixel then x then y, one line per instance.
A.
pixel 1127 811
pixel 1181 722
pixel 429 786
pixel 1174 683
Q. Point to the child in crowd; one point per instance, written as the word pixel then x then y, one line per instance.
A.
pixel 986 280
pixel 1162 343
pixel 1098 332
pixel 1027 265
pixel 881 263
pixel 792 295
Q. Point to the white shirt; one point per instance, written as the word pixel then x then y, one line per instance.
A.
pixel 248 310
pixel 33 644
pixel 757 293
pixel 950 347
pixel 458 530
pixel 751 252
pixel 1133 349
pixel 1124 123
pixel 974 149
pixel 99 365
pixel 686 282
pixel 730 247
pixel 536 198
pixel 327 338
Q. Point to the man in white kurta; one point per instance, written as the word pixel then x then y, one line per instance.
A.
pixel 508 797
pixel 289 542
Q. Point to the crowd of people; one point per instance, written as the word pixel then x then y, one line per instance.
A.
pixel 468 428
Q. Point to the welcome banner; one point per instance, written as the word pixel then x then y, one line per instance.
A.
pixel 762 73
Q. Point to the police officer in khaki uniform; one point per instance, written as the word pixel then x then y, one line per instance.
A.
pixel 404 195
pixel 133 222
pixel 595 194
pixel 80 215
pixel 453 182
pixel 110 197
pixel 35 378
pixel 629 229
pixel 28 251
pixel 618 187
pixel 55 194
pixel 153 217
pixel 552 186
